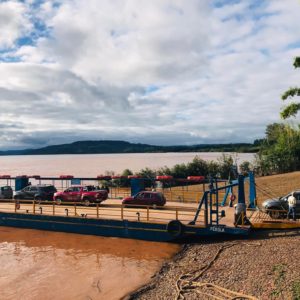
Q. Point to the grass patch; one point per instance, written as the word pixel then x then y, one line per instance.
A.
pixel 279 272
pixel 296 290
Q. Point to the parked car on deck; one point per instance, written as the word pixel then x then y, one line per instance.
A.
pixel 40 192
pixel 79 193
pixel 6 192
pixel 146 198
pixel 278 207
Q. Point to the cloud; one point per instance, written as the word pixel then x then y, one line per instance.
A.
pixel 13 23
pixel 161 72
pixel 125 42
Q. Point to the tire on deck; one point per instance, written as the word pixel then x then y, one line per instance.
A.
pixel 175 228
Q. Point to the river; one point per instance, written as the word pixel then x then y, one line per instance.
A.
pixel 51 265
pixel 85 165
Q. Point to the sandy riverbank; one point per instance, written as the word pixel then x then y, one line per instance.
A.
pixel 263 267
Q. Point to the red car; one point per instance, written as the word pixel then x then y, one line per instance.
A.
pixel 79 193
pixel 146 198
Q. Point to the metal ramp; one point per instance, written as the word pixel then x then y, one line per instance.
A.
pixel 262 220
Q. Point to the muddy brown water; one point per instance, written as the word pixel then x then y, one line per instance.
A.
pixel 51 265
pixel 91 165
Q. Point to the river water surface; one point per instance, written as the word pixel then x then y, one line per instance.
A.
pixel 94 164
pixel 48 265
pixel 51 265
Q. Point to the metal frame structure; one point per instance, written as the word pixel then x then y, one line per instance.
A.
pixel 252 190
pixel 213 208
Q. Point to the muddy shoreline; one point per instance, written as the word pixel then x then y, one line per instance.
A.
pixel 266 266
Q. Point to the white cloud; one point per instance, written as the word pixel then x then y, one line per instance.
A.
pixel 129 42
pixel 162 71
pixel 13 23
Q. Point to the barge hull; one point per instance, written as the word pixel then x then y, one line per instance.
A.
pixel 112 228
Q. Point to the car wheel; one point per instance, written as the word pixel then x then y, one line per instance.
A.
pixel 38 200
pixel 86 202
pixel 274 213
pixel 58 201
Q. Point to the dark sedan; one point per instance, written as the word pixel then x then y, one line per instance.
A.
pixel 6 192
pixel 38 192
pixel 278 207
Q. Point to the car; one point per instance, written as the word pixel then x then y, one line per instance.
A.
pixel 146 198
pixel 278 207
pixel 6 192
pixel 39 192
pixel 85 194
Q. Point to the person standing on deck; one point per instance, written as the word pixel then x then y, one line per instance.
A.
pixel 292 206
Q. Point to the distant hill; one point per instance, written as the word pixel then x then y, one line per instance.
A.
pixel 94 147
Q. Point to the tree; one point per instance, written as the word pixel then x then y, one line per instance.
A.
pixel 147 173
pixel 282 153
pixel 245 167
pixel 197 167
pixel 291 109
pixel 123 181
pixel 180 171
pixel 227 166
pixel 273 131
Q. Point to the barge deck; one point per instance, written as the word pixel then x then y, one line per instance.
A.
pixel 169 223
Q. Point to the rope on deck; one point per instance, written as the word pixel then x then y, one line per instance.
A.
pixel 188 282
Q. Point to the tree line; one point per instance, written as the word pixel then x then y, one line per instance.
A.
pixel 224 167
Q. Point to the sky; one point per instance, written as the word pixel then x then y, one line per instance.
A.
pixel 162 72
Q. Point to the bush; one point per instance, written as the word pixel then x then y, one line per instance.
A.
pixel 282 154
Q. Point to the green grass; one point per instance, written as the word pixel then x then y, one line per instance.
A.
pixel 296 290
pixel 279 272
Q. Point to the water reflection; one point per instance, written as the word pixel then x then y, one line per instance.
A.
pixel 50 265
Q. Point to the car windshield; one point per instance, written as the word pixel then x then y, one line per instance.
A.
pixel 5 188
pixel 90 188
pixel 49 188
pixel 284 198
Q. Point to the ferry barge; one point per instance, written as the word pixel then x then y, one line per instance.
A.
pixel 162 224
pixel 169 223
